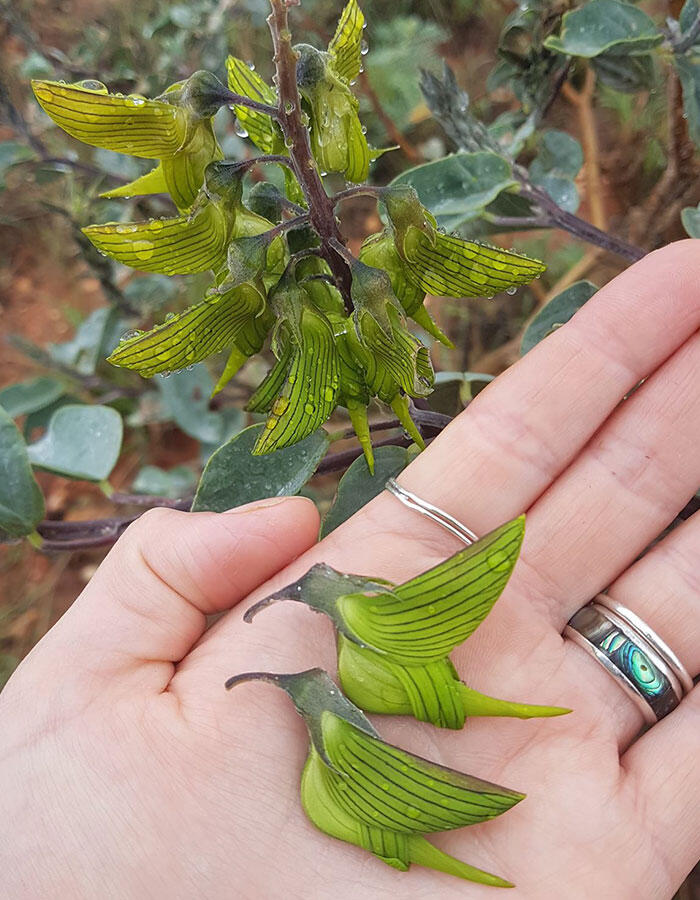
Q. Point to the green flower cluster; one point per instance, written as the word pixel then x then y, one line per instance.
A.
pixel 268 279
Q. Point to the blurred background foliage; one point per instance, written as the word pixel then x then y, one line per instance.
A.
pixel 613 143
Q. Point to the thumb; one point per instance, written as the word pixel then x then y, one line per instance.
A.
pixel 147 604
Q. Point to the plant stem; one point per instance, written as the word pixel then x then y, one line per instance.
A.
pixel 555 216
pixel 240 100
pixel 288 114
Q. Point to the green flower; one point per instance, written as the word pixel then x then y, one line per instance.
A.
pixel 394 640
pixel 379 251
pixel 175 128
pixel 233 315
pixel 445 265
pixel 362 790
pixel 188 243
pixel 300 391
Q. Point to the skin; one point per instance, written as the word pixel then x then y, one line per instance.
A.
pixel 126 769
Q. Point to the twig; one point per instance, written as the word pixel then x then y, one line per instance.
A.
pixel 321 209
pixel 240 100
pixel 583 101
pixel 364 190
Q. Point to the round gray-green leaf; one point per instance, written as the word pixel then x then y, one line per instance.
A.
pixel 26 397
pixel 557 312
pixel 172 483
pixel 357 487
pixel 81 441
pixel 604 25
pixel 21 500
pixel 458 187
pixel 233 476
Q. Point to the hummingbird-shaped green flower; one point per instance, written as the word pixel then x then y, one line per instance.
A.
pixel 234 315
pixel 442 264
pixel 301 389
pixel 175 128
pixel 394 640
pixel 362 790
pixel 188 243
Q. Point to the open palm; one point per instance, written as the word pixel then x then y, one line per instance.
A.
pixel 127 771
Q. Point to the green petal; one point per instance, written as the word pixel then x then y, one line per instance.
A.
pixel 191 336
pixel 272 384
pixel 235 361
pixel 360 423
pixel 436 611
pixel 184 173
pixel 448 266
pixel 177 246
pixel 390 366
pixel 346 46
pixel 153 182
pixel 309 394
pixel 261 129
pixel 134 125
pixel 388 787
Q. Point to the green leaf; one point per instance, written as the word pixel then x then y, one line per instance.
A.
pixel 602 25
pixel 81 441
pixel 173 483
pixel 628 74
pixel 357 487
pixel 559 160
pixel 260 128
pixel 149 292
pixel 186 397
pixel 558 153
pixel 688 67
pixel 21 501
pixel 233 476
pixel 690 216
pixel 29 396
pixel 92 341
pixel 458 188
pixel 11 153
pixel 557 312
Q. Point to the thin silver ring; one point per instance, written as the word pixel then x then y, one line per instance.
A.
pixel 413 501
pixel 601 624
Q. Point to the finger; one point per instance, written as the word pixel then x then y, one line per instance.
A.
pixel 621 492
pixel 663 589
pixel 662 773
pixel 148 601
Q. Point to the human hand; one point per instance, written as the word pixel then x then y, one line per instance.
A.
pixel 128 771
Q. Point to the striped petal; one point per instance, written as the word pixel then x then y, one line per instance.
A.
pixel 309 394
pixel 262 131
pixel 148 128
pixel 449 266
pixel 346 46
pixel 436 611
pixel 176 246
pixel 191 336
pixel 387 787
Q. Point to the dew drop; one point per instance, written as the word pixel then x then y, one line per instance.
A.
pixel 289 107
pixel 364 47
pixel 309 409
pixel 511 290
pixel 91 85
pixel 240 130
pixel 279 406
pixel 498 560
